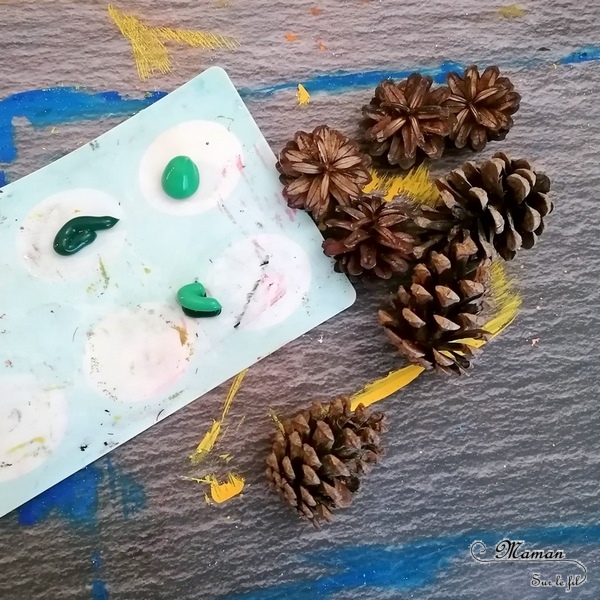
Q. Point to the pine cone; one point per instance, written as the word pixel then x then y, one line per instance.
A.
pixel 431 321
pixel 316 463
pixel 502 203
pixel 368 237
pixel 406 121
pixel 322 169
pixel 483 105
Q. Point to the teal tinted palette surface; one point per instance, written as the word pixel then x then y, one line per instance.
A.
pixel 94 347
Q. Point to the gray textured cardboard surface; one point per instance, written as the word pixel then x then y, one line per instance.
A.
pixel 513 447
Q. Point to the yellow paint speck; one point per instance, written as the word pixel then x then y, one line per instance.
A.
pixel 147 270
pixel 183 334
pixel 103 273
pixel 35 440
pixel 302 95
pixel 512 11
pixel 221 491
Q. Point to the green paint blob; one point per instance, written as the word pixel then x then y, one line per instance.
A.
pixel 79 233
pixel 193 301
pixel 181 179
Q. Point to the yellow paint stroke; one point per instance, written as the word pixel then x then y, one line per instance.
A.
pixel 210 437
pixel 506 302
pixel 221 492
pixel 302 95
pixel 148 43
pixel 103 273
pixel 512 11
pixel 276 420
pixel 147 270
pixel 382 388
pixel 183 334
pixel 416 184
pixel 225 457
pixel 35 440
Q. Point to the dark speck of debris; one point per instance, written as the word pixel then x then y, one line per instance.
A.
pixel 106 443
pixel 83 448
pixel 107 411
pixel 52 311
pixel 543 49
pixel 160 413
pixel 264 263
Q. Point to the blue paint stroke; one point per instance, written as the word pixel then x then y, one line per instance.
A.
pixel 585 54
pixel 99 591
pixel 54 106
pixel 410 566
pixel 3 181
pixel 123 487
pixel 340 81
pixel 75 499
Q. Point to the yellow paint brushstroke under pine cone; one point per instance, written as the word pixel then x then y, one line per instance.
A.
pixel 506 304
pixel 417 185
pixel 221 492
pixel 147 43
pixel 211 436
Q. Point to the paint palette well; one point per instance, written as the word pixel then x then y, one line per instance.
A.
pixel 94 347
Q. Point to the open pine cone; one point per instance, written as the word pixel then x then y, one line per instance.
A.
pixel 316 462
pixel 406 121
pixel 502 203
pixel 368 237
pixel 432 321
pixel 322 169
pixel 482 105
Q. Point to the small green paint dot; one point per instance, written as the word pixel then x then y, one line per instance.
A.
pixel 181 179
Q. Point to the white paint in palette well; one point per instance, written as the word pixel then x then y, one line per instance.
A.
pixel 216 152
pixel 260 281
pixel 33 421
pixel 134 354
pixel 39 228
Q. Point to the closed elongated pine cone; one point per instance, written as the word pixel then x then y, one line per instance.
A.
pixel 322 169
pixel 407 121
pixel 482 105
pixel 316 462
pixel 368 237
pixel 433 320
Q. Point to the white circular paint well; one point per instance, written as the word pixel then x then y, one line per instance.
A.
pixel 134 354
pixel 39 228
pixel 216 152
pixel 260 281
pixel 33 421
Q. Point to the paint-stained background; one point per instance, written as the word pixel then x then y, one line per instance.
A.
pixel 512 449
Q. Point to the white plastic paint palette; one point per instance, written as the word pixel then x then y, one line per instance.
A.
pixel 94 347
